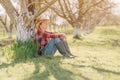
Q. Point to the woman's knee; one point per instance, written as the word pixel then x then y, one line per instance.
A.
pixel 56 40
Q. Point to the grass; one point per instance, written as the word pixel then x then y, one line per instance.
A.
pixel 98 59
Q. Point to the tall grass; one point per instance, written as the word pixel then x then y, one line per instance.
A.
pixel 24 50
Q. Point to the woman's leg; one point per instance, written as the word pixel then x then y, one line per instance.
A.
pixel 67 48
pixel 50 48
pixel 64 49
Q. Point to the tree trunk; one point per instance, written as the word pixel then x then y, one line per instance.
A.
pixel 24 30
pixel 77 31
pixel 23 33
pixel 7 25
pixel 9 34
pixel 10 29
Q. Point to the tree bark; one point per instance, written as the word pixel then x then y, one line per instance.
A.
pixel 22 33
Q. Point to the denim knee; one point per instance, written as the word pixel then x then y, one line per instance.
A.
pixel 56 40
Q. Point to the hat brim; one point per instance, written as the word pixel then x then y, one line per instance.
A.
pixel 40 21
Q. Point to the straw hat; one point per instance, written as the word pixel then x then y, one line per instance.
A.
pixel 38 22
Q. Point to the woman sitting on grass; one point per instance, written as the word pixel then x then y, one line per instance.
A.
pixel 49 42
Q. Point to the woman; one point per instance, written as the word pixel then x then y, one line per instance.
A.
pixel 49 42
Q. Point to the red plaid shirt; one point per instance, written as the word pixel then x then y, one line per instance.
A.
pixel 42 37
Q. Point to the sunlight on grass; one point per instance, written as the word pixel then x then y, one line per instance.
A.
pixel 98 56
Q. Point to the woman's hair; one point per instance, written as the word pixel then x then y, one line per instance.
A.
pixel 38 22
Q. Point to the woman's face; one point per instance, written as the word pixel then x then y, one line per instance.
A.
pixel 44 25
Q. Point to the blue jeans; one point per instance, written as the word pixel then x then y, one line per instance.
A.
pixel 50 48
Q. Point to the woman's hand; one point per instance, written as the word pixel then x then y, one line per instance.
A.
pixel 64 36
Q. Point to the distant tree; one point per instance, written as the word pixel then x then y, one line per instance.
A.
pixel 82 14
pixel 113 19
pixel 8 26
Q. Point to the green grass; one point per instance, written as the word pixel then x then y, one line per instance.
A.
pixel 98 59
pixel 24 50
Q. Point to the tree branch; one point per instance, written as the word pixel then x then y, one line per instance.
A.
pixel 80 3
pixel 92 6
pixel 11 11
pixel 69 11
pixel 4 23
pixel 43 9
pixel 62 9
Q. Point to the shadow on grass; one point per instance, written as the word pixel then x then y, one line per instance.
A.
pixel 98 69
pixel 105 70
pixel 5 65
pixel 52 67
pixel 80 75
pixel 13 63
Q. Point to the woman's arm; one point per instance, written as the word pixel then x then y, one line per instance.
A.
pixel 55 35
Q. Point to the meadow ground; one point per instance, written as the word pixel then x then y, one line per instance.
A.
pixel 98 56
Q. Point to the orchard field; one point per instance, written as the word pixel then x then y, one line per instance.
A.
pixel 98 56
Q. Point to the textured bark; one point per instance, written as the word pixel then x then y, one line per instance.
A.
pixel 22 33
